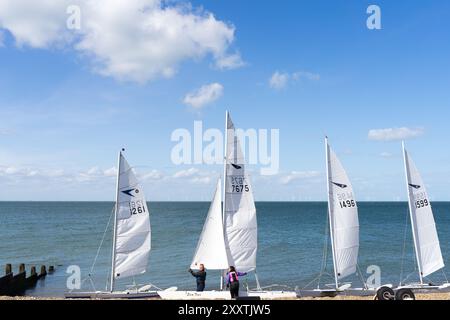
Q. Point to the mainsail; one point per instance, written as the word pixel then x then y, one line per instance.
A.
pixel 211 245
pixel 132 234
pixel 426 241
pixel 343 215
pixel 241 236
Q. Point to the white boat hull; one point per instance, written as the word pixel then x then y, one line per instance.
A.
pixel 111 295
pixel 225 295
pixel 316 293
pixel 425 287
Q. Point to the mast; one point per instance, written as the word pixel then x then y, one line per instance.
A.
pixel 413 222
pixel 113 259
pixel 330 216
pixel 224 192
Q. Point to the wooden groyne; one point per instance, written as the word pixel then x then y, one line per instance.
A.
pixel 16 284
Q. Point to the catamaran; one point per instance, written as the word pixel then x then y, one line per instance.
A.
pixel 343 229
pixel 230 233
pixel 131 238
pixel 426 241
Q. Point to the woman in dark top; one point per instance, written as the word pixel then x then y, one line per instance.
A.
pixel 201 278
pixel 233 281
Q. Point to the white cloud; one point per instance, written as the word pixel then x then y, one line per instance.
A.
pixel 186 173
pixel 18 173
pixel 232 61
pixel 393 134
pixel 94 171
pixel 194 176
pixel 6 132
pixel 111 172
pixel 386 155
pixel 39 24
pixel 153 175
pixel 306 75
pixel 280 80
pixel 134 40
pixel 299 175
pixel 207 94
pixel 201 180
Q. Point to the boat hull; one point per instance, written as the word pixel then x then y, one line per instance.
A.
pixel 318 293
pixel 111 295
pixel 225 295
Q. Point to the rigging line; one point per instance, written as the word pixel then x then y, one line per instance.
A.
pixel 445 275
pixel 325 251
pixel 314 280
pixel 404 247
pixel 108 278
pixel 81 284
pixel 92 284
pixel 101 243
pixel 361 277
pixel 89 277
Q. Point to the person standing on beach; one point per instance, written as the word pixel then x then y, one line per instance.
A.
pixel 201 278
pixel 233 281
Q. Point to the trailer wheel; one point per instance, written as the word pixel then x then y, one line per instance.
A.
pixel 405 294
pixel 385 293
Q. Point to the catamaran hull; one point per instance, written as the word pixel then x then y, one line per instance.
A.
pixel 225 295
pixel 111 295
pixel 333 293
pixel 423 288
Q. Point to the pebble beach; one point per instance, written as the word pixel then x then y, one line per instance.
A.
pixel 430 297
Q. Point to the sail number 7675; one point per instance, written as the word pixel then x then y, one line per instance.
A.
pixel 239 185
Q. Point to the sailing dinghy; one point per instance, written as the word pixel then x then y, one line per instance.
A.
pixel 230 233
pixel 343 228
pixel 426 241
pixel 131 238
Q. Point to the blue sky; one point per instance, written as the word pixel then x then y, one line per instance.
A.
pixel 65 112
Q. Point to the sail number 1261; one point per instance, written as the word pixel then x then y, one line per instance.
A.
pixel 137 207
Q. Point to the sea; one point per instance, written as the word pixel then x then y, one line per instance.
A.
pixel 293 244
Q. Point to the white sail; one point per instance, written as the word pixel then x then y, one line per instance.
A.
pixel 426 241
pixel 211 246
pixel 241 236
pixel 132 234
pixel 344 222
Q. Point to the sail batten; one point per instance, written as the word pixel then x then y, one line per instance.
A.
pixel 426 240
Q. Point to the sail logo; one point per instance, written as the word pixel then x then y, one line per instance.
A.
pixel 415 186
pixel 128 192
pixel 259 147
pixel 340 185
pixel 236 166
